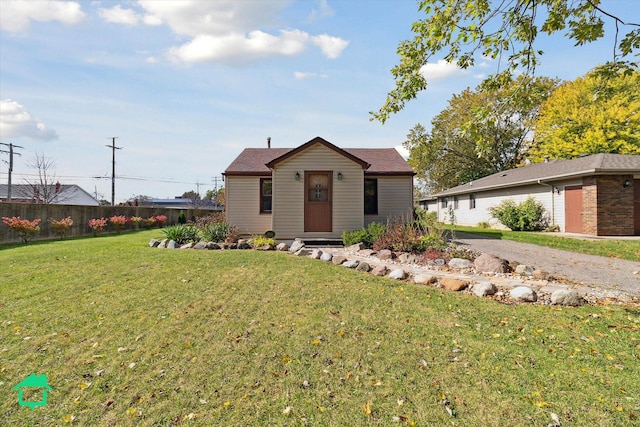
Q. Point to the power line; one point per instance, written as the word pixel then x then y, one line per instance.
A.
pixel 113 169
pixel 11 153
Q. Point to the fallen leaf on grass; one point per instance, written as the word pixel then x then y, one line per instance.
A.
pixel 68 418
pixel 367 408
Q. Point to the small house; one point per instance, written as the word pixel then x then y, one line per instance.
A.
pixel 316 190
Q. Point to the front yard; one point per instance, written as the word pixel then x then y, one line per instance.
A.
pixel 130 335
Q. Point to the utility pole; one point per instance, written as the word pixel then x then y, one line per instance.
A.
pixel 113 169
pixel 11 153
pixel 215 182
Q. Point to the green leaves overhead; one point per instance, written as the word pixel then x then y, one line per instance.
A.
pixel 462 30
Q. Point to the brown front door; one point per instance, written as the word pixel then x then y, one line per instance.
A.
pixel 573 210
pixel 318 205
pixel 636 207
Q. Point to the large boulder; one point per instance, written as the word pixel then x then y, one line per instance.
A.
pixel 302 252
pixel 398 274
pixel 153 243
pixel 338 259
pixel 356 247
pixel 200 245
pixel 523 294
pixel 487 263
pixel 525 270
pixel 460 263
pixel 282 246
pixel 566 297
pixel 296 246
pixel 424 279
pixel 315 253
pixel 353 263
pixel 484 289
pixel 326 257
pixel 363 266
pixel 386 254
pixel 380 270
pixel 172 244
pixel 407 258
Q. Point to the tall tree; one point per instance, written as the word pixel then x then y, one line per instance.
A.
pixel 597 113
pixel 464 30
pixel 481 132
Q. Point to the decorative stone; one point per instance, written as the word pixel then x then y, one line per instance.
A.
pixel 244 245
pixel 296 246
pixel 484 289
pixel 379 270
pixel 302 252
pixel 452 284
pixel 282 247
pixel 363 266
pixel 353 263
pixel 439 262
pixel 407 258
pixel 187 245
pixel 163 243
pixel 315 254
pixel 200 245
pixel 424 279
pixel 153 243
pixel 398 274
pixel 338 259
pixel 326 257
pixel 524 294
pixel 566 297
pixel 541 275
pixel 265 247
pixel 460 263
pixel 367 252
pixel 487 263
pixel 386 254
pixel 525 270
pixel 356 247
pixel 172 244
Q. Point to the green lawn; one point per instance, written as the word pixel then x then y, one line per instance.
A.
pixel 623 249
pixel 130 335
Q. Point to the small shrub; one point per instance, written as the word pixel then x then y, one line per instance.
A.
pixel 136 221
pixel 182 233
pixel 525 216
pixel 400 237
pixel 26 229
pixel 216 232
pixel 182 218
pixel 214 218
pixel 367 235
pixel 61 227
pixel 149 222
pixel 97 225
pixel 233 234
pixel 161 220
pixel 429 242
pixel 262 241
pixel 117 222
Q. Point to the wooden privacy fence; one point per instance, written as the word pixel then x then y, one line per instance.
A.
pixel 81 216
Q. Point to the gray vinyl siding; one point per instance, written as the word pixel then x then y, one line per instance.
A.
pixel 395 198
pixel 242 195
pixel 288 194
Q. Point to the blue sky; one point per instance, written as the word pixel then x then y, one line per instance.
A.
pixel 186 85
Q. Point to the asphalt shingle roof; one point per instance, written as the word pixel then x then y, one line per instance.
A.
pixel 596 164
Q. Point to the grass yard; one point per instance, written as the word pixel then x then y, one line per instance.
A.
pixel 130 335
pixel 623 249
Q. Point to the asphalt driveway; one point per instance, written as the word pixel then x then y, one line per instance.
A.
pixel 588 270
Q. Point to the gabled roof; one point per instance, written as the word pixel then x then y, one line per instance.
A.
pixel 378 161
pixel 66 193
pixel 596 164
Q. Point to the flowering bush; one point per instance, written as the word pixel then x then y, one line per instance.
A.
pixel 160 220
pixel 26 229
pixel 117 222
pixel 149 222
pixel 61 227
pixel 136 221
pixel 97 225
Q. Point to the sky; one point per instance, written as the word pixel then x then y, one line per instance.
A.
pixel 185 85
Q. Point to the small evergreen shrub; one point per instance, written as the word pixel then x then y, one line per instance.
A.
pixel 525 216
pixel 182 233
pixel 182 218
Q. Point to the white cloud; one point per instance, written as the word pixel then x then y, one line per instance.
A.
pixel 441 70
pixel 332 47
pixel 323 10
pixel 304 75
pixel 233 31
pixel 15 16
pixel 16 122
pixel 118 15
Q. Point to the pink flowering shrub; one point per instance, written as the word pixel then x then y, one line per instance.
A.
pixel 26 229
pixel 136 221
pixel 161 220
pixel 61 227
pixel 117 222
pixel 97 225
pixel 149 222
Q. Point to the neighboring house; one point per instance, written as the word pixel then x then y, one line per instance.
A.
pixel 597 195
pixel 317 190
pixel 57 194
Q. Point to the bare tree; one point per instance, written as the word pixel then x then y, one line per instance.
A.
pixel 44 187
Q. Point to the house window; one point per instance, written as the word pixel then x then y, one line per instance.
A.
pixel 371 197
pixel 472 201
pixel 455 202
pixel 266 187
pixel 444 203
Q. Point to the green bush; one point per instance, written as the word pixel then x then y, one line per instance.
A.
pixel 182 233
pixel 525 216
pixel 263 240
pixel 182 218
pixel 366 235
pixel 216 232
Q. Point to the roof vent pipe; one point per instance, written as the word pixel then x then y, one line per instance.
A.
pixel 268 142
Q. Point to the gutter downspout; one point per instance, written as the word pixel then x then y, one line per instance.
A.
pixel 553 201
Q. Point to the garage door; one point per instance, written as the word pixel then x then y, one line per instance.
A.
pixel 573 209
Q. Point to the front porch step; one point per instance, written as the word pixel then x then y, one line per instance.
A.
pixel 323 243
